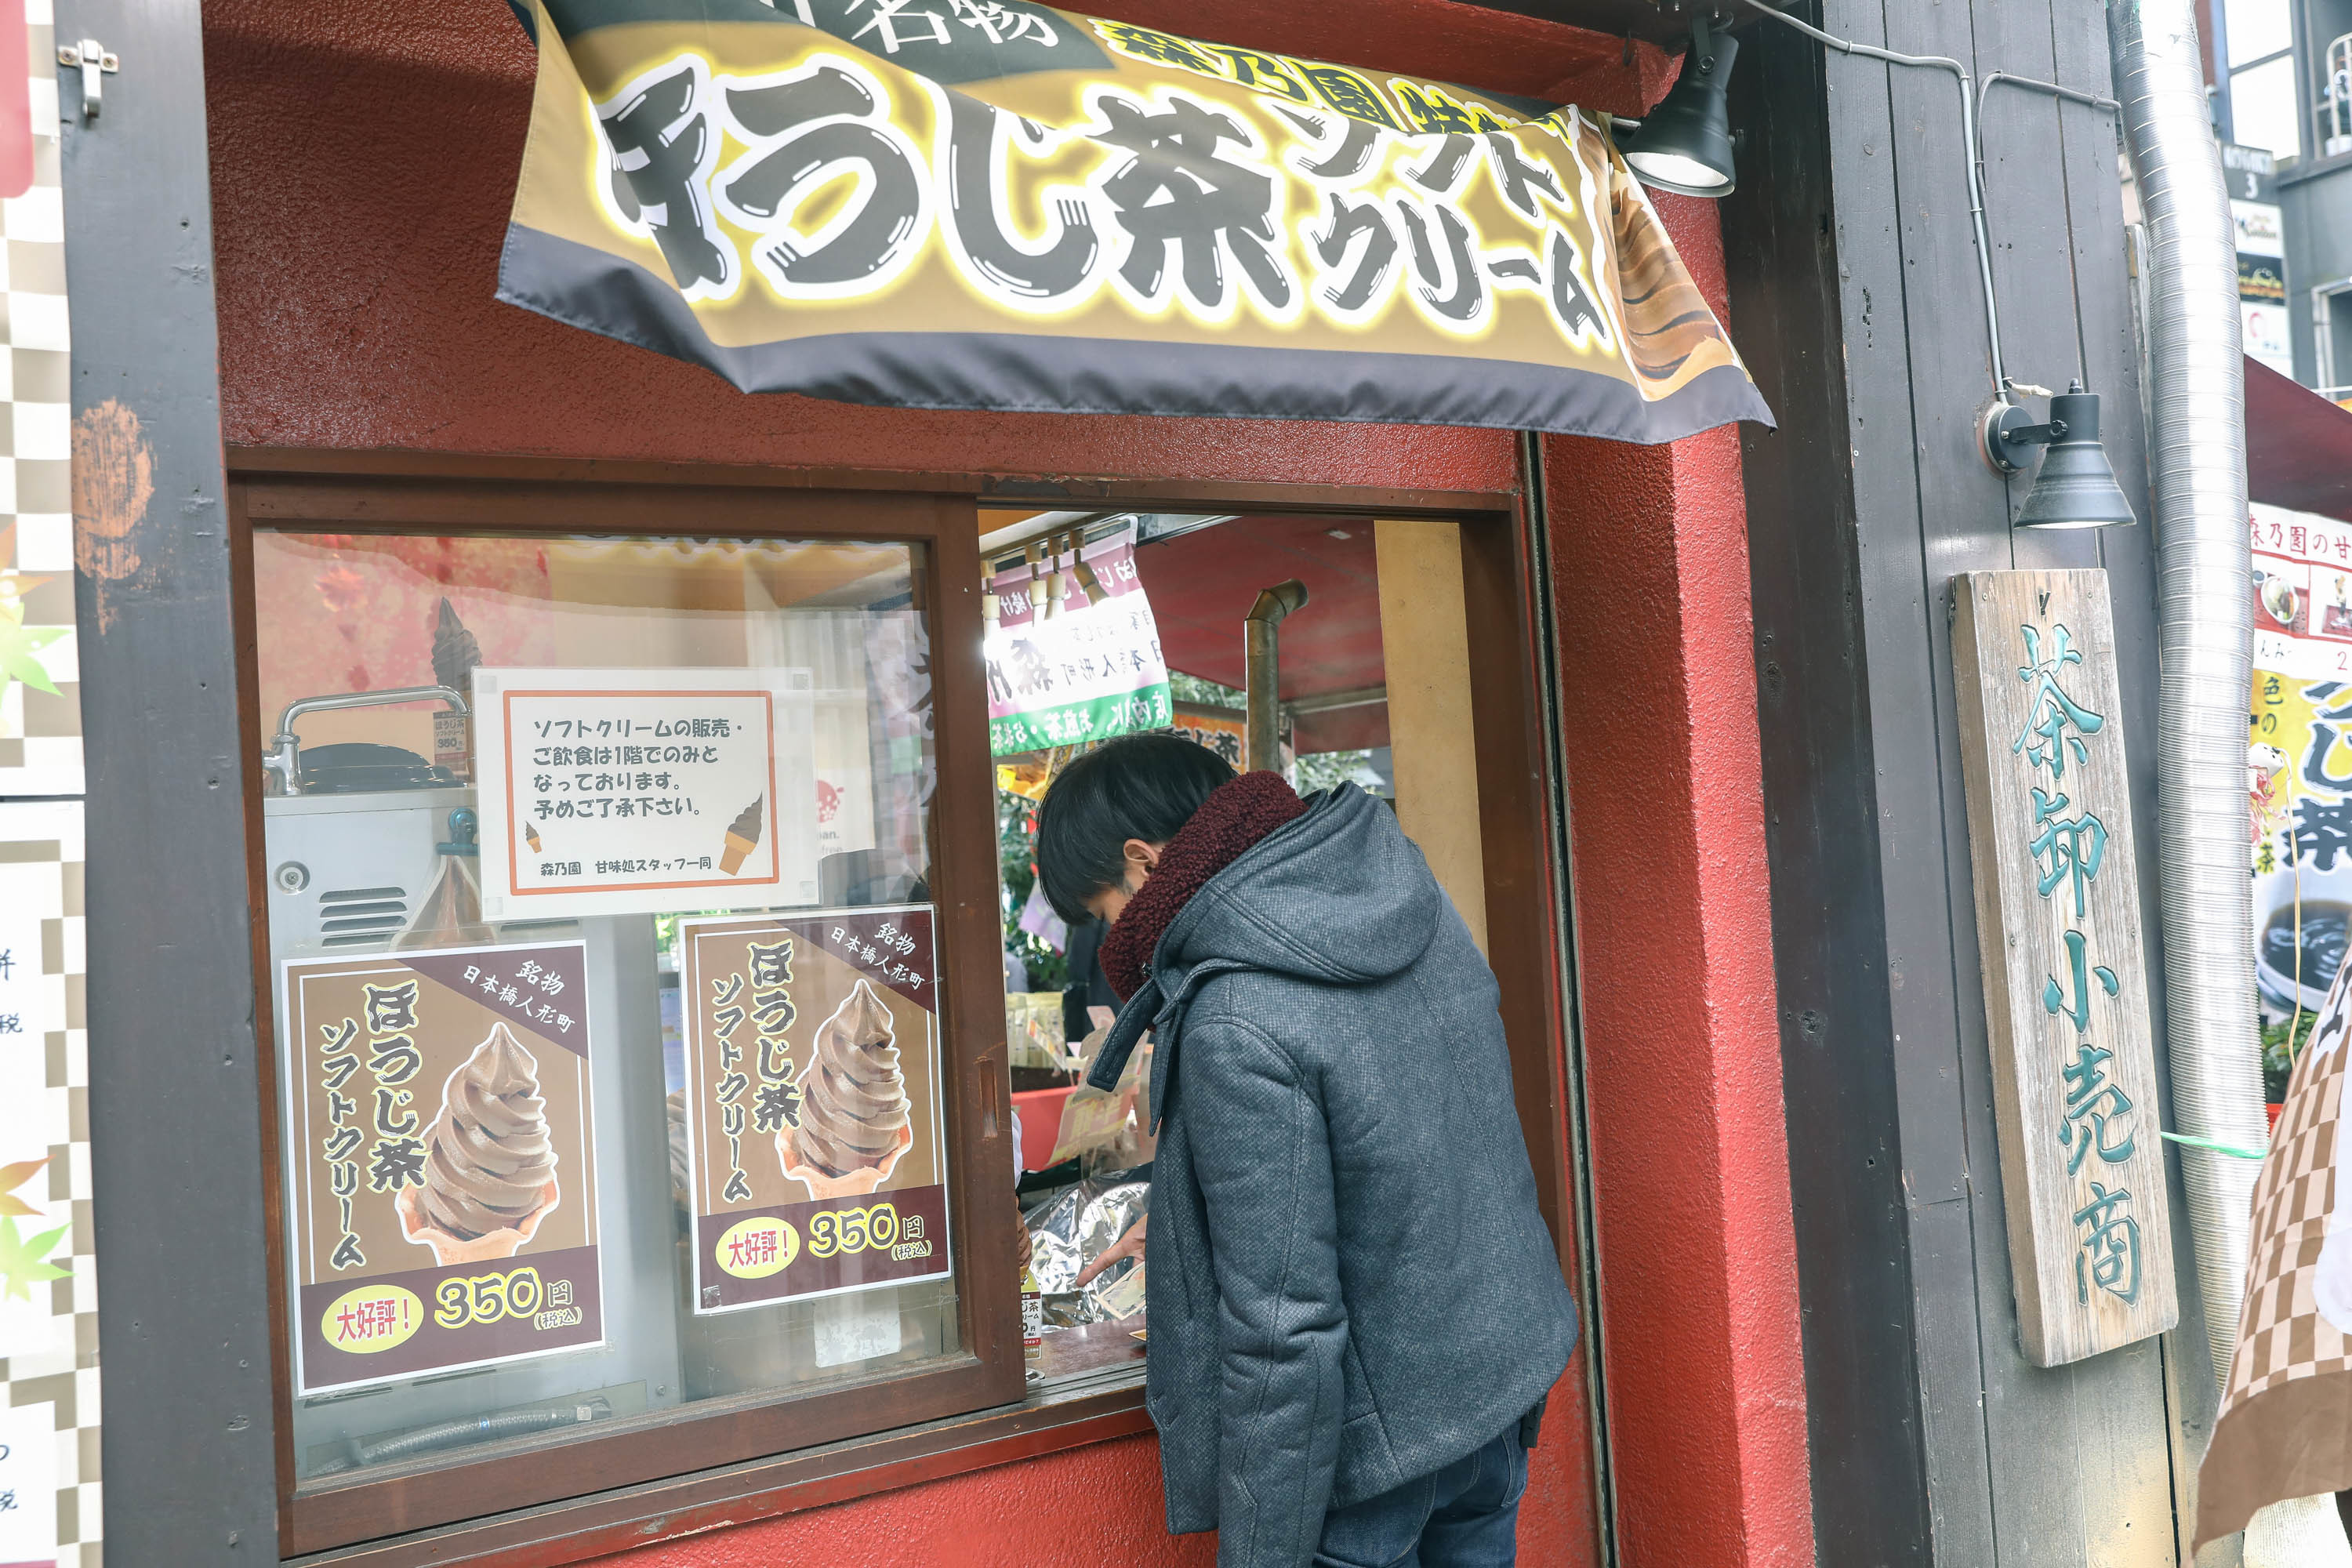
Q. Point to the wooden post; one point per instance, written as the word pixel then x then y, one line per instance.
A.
pixel 1425 648
pixel 2065 972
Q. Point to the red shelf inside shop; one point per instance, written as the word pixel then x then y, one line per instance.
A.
pixel 1041 1123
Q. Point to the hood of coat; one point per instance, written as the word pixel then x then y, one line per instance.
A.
pixel 1338 897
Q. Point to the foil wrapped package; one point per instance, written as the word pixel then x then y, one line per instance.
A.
pixel 1071 1230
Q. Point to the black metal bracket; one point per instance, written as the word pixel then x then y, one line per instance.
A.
pixel 2007 431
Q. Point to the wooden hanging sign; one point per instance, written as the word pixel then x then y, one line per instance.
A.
pixel 2065 969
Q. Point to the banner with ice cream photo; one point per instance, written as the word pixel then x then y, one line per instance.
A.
pixel 441 1179
pixel 814 1149
pixel 608 791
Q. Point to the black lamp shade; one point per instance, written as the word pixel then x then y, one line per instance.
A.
pixel 1684 145
pixel 2076 487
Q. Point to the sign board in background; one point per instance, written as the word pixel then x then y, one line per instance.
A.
pixel 644 790
pixel 1078 663
pixel 2065 969
pixel 48 1283
pixel 2251 174
pixel 408 1256
pixel 808 1027
pixel 2301 738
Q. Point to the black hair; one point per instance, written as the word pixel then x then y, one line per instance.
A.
pixel 1138 786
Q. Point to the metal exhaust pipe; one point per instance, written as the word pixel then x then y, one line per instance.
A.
pixel 1262 656
pixel 2197 460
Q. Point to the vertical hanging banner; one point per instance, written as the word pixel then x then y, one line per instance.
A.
pixel 49 1489
pixel 994 204
pixel 644 790
pixel 40 670
pixel 816 1150
pixel 2066 971
pixel 2300 779
pixel 2251 174
pixel 441 1171
pixel 1073 651
pixel 2284 1425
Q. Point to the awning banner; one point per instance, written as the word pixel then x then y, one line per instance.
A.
pixel 993 203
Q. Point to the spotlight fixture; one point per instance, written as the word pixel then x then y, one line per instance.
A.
pixel 1684 144
pixel 2076 487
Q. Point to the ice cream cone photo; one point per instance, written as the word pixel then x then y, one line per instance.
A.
pixel 821 1184
pixel 742 837
pixel 855 1117
pixel 504 1242
pixel 490 1168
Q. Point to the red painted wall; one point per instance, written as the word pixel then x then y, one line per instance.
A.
pixel 362 159
pixel 1689 1144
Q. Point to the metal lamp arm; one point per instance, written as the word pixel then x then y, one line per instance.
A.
pixel 1972 97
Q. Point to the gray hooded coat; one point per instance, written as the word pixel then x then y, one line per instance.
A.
pixel 1348 1283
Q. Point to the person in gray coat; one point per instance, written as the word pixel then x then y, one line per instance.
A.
pixel 1356 1310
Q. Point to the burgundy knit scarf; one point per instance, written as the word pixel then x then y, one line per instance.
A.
pixel 1236 815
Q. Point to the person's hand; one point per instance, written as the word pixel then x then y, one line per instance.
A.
pixel 1128 1245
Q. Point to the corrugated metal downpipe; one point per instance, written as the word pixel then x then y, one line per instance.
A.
pixel 2197 451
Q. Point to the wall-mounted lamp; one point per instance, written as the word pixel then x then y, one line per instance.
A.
pixel 1684 144
pixel 2076 487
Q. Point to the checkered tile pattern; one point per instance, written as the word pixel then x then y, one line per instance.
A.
pixel 2281 1334
pixel 40 732
pixel 64 1378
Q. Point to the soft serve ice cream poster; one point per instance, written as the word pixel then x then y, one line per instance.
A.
pixel 813 1104
pixel 441 1183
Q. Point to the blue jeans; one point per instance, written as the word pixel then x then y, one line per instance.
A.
pixel 1464 1516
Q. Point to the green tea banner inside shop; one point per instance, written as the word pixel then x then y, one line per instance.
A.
pixel 991 203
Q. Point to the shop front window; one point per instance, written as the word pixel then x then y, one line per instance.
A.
pixel 674 1054
pixel 617 1064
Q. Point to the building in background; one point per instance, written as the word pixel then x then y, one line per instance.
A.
pixel 2282 71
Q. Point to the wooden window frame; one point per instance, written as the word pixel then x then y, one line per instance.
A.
pixel 742 1458
pixel 705 1434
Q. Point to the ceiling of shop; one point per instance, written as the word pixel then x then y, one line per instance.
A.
pixel 1203 583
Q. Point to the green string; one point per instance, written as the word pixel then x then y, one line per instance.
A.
pixel 2217 1148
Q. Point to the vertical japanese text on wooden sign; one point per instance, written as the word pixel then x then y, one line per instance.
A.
pixel 2066 975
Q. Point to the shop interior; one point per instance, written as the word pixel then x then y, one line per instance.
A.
pixel 362 638
pixel 1085 1157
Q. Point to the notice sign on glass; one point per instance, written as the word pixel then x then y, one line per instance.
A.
pixel 816 1155
pixel 1073 651
pixel 644 790
pixel 441 1181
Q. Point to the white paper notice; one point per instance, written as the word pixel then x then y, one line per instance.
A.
pixel 644 790
pixel 29 1484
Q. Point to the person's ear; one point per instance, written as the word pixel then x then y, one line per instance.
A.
pixel 1141 858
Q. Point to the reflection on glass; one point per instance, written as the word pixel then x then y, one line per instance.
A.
pixel 2263 109
pixel 486 1122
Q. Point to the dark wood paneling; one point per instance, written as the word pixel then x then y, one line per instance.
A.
pixel 188 1453
pixel 1790 232
pixel 1933 1440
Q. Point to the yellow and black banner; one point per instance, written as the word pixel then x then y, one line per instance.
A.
pixel 993 203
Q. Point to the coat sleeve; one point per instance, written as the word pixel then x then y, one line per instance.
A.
pixel 1261 1153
